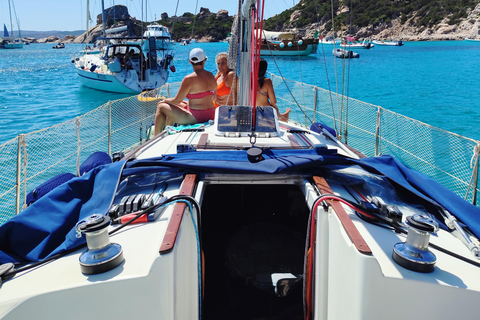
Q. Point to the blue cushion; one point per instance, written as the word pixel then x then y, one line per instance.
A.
pixel 47 186
pixel 94 160
pixel 317 127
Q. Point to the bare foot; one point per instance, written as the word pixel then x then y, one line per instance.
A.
pixel 285 116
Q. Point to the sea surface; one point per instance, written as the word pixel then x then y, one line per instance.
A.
pixel 433 82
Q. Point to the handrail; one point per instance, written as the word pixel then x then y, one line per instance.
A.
pixel 177 215
pixel 344 218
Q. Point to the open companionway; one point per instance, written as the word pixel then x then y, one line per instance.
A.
pixel 253 241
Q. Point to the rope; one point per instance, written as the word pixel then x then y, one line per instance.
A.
pixel 79 143
pixel 476 153
pixel 474 166
pixel 23 146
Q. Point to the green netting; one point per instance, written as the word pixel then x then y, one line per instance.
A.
pixel 33 158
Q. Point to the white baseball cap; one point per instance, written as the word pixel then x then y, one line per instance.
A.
pixel 197 55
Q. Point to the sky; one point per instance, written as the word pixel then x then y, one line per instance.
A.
pixel 70 15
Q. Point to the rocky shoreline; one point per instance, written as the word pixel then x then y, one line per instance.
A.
pixel 469 27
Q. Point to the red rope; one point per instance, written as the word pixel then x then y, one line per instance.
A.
pixel 310 255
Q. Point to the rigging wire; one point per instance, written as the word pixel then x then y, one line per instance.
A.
pixel 325 63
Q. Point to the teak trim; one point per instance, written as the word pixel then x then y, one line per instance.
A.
pixel 177 215
pixel 345 219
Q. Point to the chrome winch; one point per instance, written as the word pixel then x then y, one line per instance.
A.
pixel 101 255
pixel 413 254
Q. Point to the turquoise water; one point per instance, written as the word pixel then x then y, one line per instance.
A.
pixel 434 82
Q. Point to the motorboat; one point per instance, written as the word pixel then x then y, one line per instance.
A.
pixel 240 217
pixel 160 33
pixel 60 45
pixel 353 43
pixel 345 54
pixel 330 40
pixel 287 44
pixel 397 43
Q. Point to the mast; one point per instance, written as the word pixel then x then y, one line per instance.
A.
pixel 103 18
pixel 11 23
pixel 88 17
pixel 245 50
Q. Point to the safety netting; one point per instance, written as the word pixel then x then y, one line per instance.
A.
pixel 117 126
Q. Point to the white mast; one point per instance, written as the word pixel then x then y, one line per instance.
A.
pixel 88 16
pixel 11 23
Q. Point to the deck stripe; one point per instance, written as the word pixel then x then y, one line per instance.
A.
pixel 345 219
pixel 177 215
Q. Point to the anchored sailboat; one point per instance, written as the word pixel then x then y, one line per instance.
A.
pixel 8 42
pixel 126 64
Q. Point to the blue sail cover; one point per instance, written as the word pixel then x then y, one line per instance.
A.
pixel 5 31
pixel 47 227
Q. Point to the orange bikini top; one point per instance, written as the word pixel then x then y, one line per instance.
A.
pixel 222 89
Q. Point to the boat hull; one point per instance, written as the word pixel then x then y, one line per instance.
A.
pixel 122 82
pixel 13 45
pixel 388 43
pixel 289 48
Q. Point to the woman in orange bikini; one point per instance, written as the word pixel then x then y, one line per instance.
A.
pixel 225 79
pixel 199 88
pixel 265 93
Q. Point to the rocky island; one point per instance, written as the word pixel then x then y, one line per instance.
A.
pixel 413 20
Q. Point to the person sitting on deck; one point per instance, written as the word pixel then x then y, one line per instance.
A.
pixel 265 93
pixel 199 87
pixel 225 79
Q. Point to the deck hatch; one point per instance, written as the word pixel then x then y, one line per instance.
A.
pixel 235 121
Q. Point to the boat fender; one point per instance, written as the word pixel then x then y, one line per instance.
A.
pixel 318 126
pixel 282 45
pixel 94 160
pixel 290 43
pixel 300 42
pixel 48 186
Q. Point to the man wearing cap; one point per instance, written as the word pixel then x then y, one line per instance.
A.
pixel 199 88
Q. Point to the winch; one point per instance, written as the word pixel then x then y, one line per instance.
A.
pixel 413 254
pixel 101 255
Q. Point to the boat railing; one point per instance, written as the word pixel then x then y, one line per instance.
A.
pixel 448 158
pixel 33 158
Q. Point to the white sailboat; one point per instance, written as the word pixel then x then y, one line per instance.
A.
pixel 242 217
pixel 126 64
pixel 8 42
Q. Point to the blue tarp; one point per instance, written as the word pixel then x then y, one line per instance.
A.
pixel 47 227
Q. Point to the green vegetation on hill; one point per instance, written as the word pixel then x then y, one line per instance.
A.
pixel 199 26
pixel 425 13
pixel 354 14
